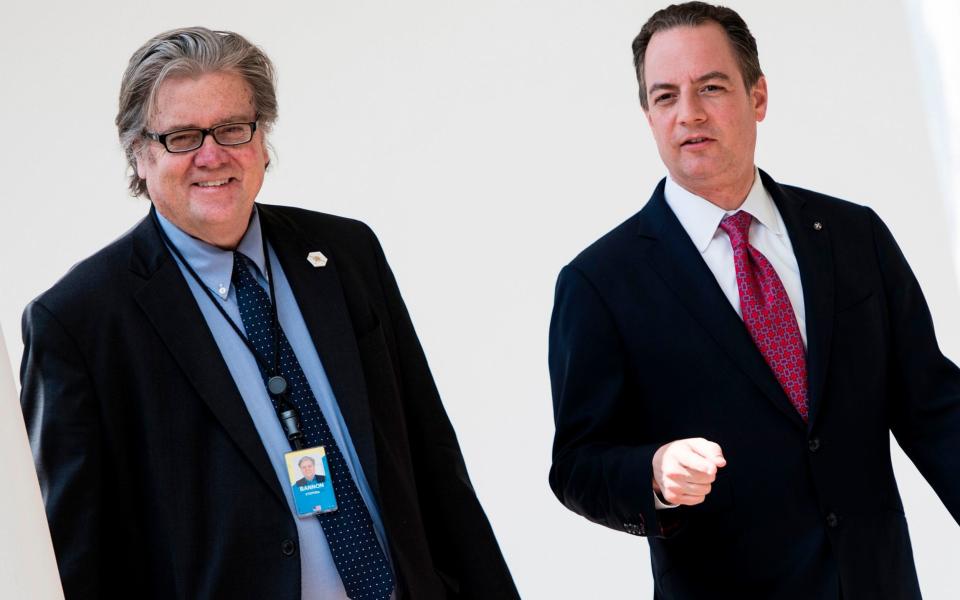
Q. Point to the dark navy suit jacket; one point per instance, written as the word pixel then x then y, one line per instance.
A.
pixel 646 349
pixel 128 401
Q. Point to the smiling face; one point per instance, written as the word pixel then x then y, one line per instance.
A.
pixel 703 118
pixel 308 469
pixel 207 192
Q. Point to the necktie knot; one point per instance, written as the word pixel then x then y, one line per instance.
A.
pixel 737 227
pixel 241 271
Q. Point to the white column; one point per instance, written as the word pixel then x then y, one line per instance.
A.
pixel 28 568
pixel 935 24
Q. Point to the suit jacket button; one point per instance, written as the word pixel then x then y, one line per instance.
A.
pixel 813 444
pixel 288 547
pixel 832 520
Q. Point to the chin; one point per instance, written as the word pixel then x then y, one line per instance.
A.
pixel 222 208
pixel 704 171
pixel 222 217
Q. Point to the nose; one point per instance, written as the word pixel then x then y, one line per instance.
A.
pixel 210 154
pixel 690 109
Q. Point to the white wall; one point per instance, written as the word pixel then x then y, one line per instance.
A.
pixel 486 143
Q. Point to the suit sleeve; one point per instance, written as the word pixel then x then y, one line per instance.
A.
pixel 599 470
pixel 926 394
pixel 59 408
pixel 461 538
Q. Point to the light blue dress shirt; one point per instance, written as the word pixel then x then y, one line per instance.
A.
pixel 320 579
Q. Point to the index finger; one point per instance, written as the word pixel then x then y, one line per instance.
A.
pixel 709 450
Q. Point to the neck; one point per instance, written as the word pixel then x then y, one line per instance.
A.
pixel 225 236
pixel 728 195
pixel 228 243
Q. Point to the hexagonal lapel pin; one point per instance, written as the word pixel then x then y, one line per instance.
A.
pixel 317 259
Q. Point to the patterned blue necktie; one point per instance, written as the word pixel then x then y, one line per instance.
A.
pixel 349 531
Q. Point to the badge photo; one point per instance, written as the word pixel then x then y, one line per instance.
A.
pixel 310 481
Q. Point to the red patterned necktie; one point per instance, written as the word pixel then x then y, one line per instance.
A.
pixel 767 312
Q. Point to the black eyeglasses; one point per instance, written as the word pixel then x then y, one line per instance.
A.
pixel 185 140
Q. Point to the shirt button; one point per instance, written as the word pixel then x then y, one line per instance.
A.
pixel 813 444
pixel 288 547
pixel 832 520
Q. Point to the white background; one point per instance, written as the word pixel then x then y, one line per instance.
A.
pixel 486 143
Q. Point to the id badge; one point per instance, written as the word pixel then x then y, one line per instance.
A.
pixel 310 481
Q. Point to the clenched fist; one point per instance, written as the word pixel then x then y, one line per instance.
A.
pixel 683 470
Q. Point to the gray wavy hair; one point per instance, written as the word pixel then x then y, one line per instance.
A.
pixel 187 51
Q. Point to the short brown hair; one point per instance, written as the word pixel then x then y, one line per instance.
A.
pixel 188 51
pixel 693 14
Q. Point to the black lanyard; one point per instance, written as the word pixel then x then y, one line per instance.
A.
pixel 276 384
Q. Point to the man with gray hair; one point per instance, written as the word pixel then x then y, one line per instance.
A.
pixel 308 467
pixel 168 378
pixel 728 364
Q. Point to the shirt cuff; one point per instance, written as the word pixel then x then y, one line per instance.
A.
pixel 660 504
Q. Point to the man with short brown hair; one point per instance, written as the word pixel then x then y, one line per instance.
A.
pixel 728 363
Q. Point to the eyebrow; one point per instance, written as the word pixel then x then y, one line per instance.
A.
pixel 237 118
pixel 703 78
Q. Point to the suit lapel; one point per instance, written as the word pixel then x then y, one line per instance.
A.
pixel 811 245
pixel 187 336
pixel 319 294
pixel 674 257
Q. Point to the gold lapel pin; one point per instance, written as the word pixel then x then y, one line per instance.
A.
pixel 317 259
pixel 817 225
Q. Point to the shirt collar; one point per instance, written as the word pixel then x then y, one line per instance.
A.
pixel 701 218
pixel 214 265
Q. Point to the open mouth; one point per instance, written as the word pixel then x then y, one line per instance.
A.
pixel 696 141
